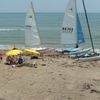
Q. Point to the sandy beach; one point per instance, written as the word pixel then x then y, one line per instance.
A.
pixel 55 78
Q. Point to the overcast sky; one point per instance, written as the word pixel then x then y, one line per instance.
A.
pixel 47 5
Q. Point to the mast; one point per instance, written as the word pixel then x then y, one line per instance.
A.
pixel 88 26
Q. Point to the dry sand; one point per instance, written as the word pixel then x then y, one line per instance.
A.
pixel 55 78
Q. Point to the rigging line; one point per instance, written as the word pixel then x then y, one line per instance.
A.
pixel 88 25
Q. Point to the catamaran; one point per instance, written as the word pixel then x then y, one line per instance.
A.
pixel 32 35
pixel 72 35
pixel 93 55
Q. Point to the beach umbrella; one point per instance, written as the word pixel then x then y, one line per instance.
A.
pixel 32 51
pixel 13 52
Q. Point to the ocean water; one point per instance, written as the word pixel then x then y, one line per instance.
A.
pixel 12 28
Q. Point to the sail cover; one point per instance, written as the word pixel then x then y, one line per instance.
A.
pixel 31 30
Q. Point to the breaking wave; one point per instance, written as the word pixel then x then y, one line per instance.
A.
pixel 12 29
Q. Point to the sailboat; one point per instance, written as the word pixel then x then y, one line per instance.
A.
pixel 72 35
pixel 32 38
pixel 93 55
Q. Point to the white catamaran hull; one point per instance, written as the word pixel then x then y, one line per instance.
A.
pixel 74 54
pixel 94 58
pixel 81 51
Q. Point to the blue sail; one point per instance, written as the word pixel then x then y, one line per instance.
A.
pixel 80 36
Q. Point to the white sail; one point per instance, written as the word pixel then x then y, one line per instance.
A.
pixel 69 32
pixel 31 32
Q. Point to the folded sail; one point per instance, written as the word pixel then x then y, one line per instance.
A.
pixel 31 32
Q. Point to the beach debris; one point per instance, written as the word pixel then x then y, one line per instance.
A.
pixel 87 86
pixel 60 74
pixel 13 66
pixel 49 90
pixel 69 98
pixel 43 64
pixel 94 91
